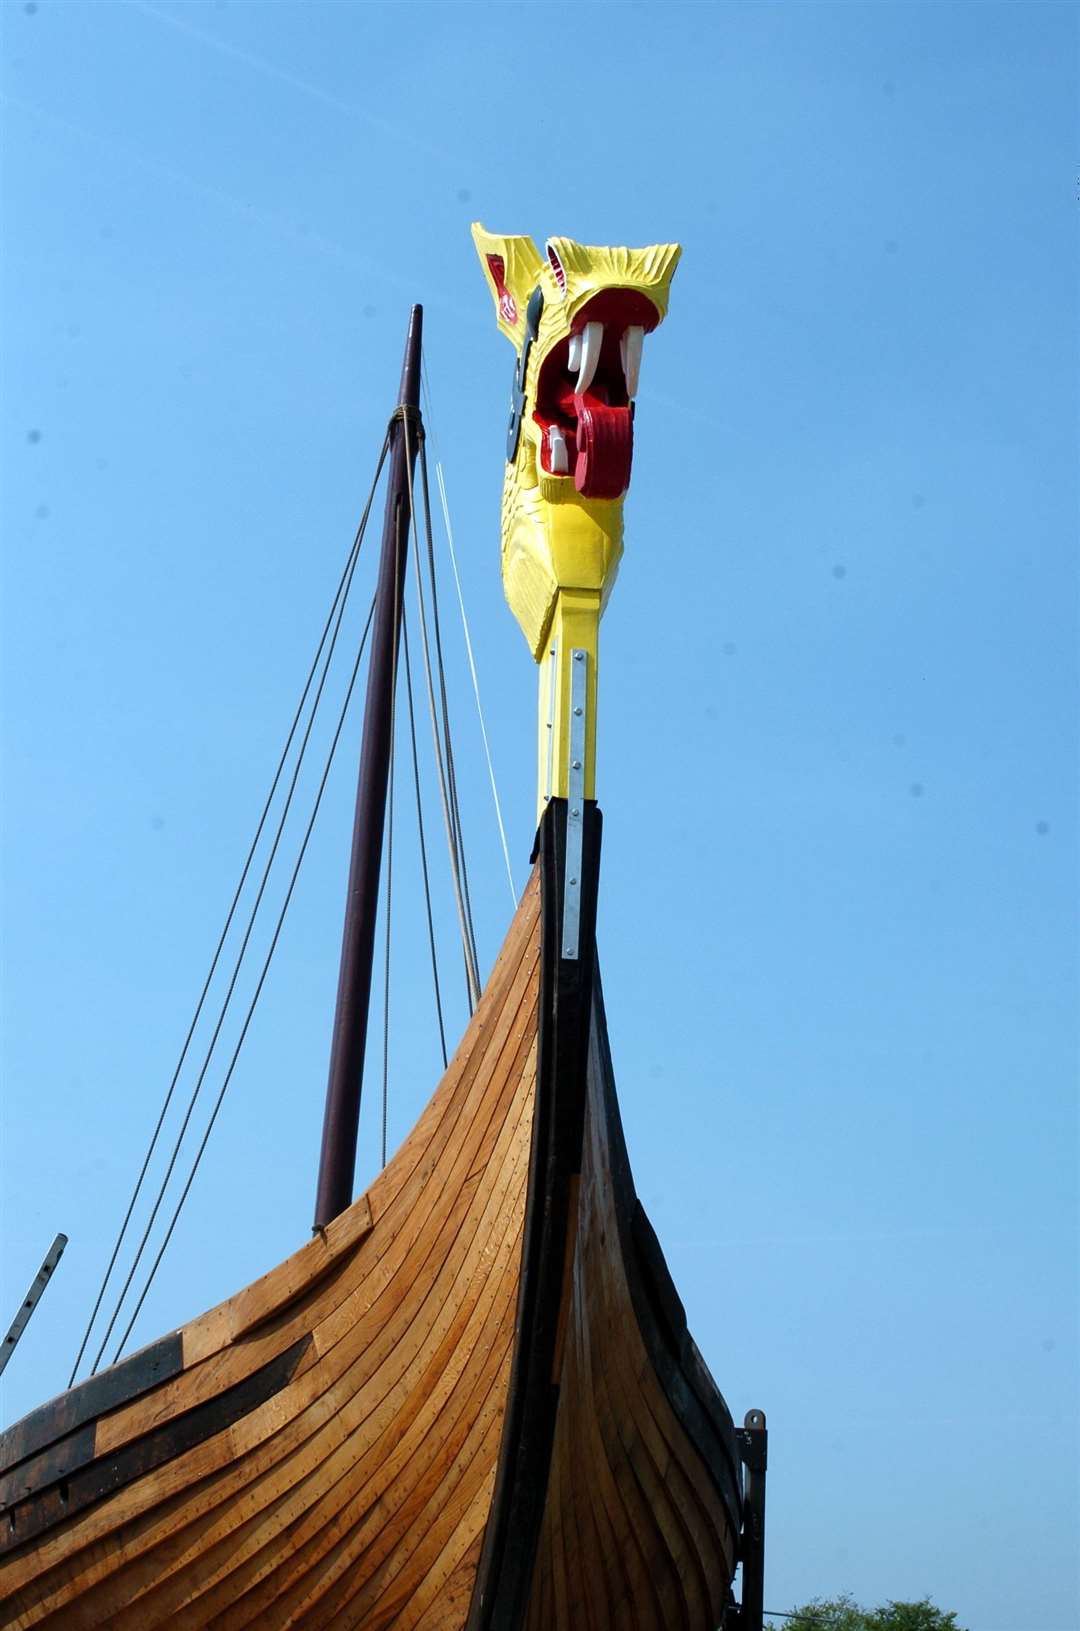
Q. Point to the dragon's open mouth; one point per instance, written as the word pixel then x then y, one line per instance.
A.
pixel 585 393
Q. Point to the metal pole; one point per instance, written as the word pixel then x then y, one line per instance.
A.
pixel 30 1301
pixel 753 1440
pixel 337 1162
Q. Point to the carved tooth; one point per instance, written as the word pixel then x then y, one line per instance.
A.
pixel 591 340
pixel 560 459
pixel 574 362
pixel 630 350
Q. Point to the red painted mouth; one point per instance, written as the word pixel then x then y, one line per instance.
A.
pixel 594 427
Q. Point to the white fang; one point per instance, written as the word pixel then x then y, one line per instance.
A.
pixel 560 459
pixel 591 340
pixel 630 347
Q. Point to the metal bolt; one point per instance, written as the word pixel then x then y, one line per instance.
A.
pixel 576 765
pixel 573 880
pixel 575 812
pixel 578 712
pixel 578 655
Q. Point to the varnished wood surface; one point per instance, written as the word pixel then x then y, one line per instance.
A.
pixel 618 1496
pixel 640 1527
pixel 471 1405
pixel 352 1483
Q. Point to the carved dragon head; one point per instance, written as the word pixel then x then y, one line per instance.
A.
pixel 577 318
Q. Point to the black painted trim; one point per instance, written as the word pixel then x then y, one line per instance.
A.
pixel 574 1051
pixel 118 1385
pixel 63 1486
pixel 694 1397
pixel 504 1576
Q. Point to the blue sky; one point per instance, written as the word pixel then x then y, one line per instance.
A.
pixel 838 715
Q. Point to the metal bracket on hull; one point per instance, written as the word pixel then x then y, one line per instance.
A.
pixel 579 691
pixel 753 1441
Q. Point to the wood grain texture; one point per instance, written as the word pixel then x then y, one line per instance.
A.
pixel 470 1404
pixel 353 1488
pixel 618 1498
pixel 640 1525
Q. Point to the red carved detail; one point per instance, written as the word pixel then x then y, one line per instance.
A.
pixel 597 425
pixel 507 304
pixel 605 448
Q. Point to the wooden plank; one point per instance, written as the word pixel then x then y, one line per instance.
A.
pixel 613 1411
pixel 127 1380
pixel 502 1248
pixel 630 1451
pixel 669 1510
pixel 402 1392
pixel 506 1563
pixel 668 1454
pixel 377 1461
pixel 181 1393
pixel 63 1496
pixel 451 1603
pixel 691 1391
pixel 48 1466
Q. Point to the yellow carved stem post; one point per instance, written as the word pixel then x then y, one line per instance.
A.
pixel 574 627
pixel 577 318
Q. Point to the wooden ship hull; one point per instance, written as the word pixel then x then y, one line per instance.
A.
pixel 471 1401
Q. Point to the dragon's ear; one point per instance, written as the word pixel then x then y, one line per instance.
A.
pixel 512 267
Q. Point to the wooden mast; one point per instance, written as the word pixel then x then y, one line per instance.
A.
pixel 471 1402
pixel 337 1161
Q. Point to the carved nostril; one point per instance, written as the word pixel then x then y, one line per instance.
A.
pixel 557 268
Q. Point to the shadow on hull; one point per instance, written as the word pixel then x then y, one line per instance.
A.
pixel 470 1404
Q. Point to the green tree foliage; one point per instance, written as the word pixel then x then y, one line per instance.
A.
pixel 842 1614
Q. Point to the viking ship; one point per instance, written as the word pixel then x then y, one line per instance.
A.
pixel 470 1402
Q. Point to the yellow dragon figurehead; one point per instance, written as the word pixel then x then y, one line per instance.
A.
pixel 577 318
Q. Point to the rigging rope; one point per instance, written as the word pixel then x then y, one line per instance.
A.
pixel 452 818
pixel 475 681
pixel 236 966
pixel 464 923
pixel 454 802
pixel 258 988
pixel 231 986
pixel 386 955
pixel 345 576
pixel 423 845
pixel 337 607
pixel 390 859
pixel 468 638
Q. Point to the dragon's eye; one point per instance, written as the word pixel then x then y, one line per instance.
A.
pixel 533 312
